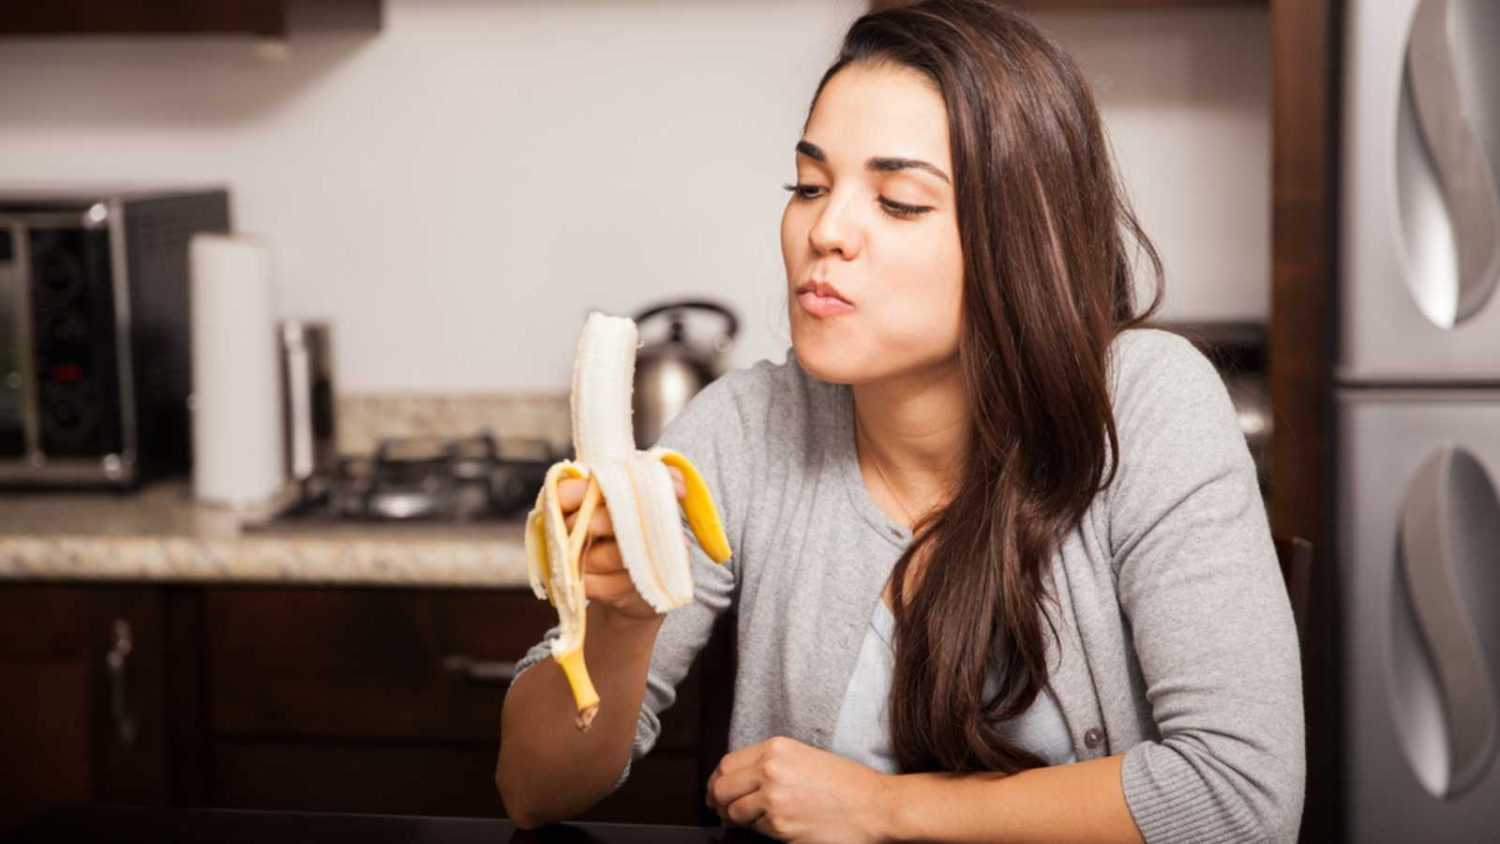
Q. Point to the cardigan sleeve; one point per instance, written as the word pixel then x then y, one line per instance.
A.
pixel 1211 625
pixel 709 431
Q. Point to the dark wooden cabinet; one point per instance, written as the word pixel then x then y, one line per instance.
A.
pixel 380 700
pixel 372 664
pixel 83 674
pixel 267 18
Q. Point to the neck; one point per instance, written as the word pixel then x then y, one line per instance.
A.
pixel 915 427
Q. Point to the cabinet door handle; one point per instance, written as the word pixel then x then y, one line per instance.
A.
pixel 117 661
pixel 490 671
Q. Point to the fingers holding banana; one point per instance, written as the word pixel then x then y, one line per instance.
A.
pixel 605 576
pixel 570 492
pixel 606 580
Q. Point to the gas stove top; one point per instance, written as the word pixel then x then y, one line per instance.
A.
pixel 427 479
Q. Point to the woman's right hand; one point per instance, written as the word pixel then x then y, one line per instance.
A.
pixel 605 579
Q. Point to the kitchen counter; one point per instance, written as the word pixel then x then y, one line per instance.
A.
pixel 161 534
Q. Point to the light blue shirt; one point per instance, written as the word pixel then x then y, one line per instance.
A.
pixel 863 734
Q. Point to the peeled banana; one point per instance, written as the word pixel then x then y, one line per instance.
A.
pixel 640 495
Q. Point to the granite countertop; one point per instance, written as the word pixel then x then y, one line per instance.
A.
pixel 160 534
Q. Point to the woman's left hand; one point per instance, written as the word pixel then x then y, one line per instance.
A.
pixel 798 793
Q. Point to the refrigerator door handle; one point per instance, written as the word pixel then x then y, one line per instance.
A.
pixel 1445 645
pixel 1448 158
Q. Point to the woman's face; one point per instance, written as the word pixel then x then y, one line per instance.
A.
pixel 872 214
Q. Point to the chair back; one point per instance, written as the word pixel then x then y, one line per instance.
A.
pixel 1296 557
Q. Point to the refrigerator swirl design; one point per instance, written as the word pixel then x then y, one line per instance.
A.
pixel 1447 154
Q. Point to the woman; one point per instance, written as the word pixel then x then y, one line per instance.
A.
pixel 960 618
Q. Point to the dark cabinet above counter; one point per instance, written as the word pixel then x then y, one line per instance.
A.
pixel 262 18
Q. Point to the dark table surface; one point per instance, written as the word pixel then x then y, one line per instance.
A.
pixel 223 826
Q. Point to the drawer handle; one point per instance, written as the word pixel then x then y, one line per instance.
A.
pixel 118 663
pixel 494 671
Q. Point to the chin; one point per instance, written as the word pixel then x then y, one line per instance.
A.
pixel 835 350
pixel 824 360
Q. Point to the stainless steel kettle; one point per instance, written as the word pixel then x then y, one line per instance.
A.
pixel 671 370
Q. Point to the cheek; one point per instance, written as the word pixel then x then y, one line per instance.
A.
pixel 793 233
pixel 927 313
pixel 950 284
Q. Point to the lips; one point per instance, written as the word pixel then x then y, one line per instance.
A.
pixel 824 289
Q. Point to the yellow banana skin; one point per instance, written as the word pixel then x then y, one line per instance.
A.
pixel 640 495
pixel 698 504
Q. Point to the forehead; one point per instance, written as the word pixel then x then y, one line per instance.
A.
pixel 880 110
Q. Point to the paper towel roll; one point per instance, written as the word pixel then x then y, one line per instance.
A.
pixel 237 431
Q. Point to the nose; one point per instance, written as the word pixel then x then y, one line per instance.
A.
pixel 835 230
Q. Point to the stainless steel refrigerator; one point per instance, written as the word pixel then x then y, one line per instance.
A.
pixel 1417 383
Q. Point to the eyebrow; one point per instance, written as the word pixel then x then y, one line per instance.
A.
pixel 878 164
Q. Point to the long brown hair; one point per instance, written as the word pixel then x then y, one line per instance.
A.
pixel 1047 287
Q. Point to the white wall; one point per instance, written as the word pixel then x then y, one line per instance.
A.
pixel 455 192
pixel 1186 94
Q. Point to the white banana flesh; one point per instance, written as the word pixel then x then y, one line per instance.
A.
pixel 638 491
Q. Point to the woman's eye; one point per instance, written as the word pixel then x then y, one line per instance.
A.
pixel 801 191
pixel 896 209
pixel 901 209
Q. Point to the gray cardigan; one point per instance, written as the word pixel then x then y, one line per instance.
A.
pixel 1175 643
